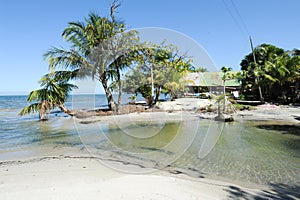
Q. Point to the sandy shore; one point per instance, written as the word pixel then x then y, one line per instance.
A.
pixel 265 112
pixel 80 176
pixel 188 109
pixel 87 178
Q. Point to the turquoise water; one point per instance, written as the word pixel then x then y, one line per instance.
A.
pixel 243 151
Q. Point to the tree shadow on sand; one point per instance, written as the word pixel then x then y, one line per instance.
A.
pixel 276 192
pixel 293 129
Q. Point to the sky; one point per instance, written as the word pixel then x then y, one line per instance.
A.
pixel 220 28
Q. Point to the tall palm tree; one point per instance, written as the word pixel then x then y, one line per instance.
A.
pixel 91 51
pixel 54 92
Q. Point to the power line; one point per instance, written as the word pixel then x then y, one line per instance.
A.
pixel 239 15
pixel 243 28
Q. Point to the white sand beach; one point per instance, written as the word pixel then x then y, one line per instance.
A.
pixel 85 178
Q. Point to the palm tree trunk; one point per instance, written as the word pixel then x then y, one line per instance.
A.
pixel 42 116
pixel 109 96
pixel 44 110
pixel 66 110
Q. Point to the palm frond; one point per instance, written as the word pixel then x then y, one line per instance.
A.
pixel 29 109
pixel 65 76
pixel 37 95
pixel 65 59
pixel 270 78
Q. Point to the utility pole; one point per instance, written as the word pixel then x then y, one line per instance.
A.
pixel 256 78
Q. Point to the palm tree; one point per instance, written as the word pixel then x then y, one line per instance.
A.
pixel 54 92
pixel 254 64
pixel 91 51
pixel 284 71
pixel 225 76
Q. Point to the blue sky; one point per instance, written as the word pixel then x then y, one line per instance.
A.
pixel 221 27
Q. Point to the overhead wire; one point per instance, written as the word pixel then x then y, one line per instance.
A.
pixel 239 23
pixel 240 16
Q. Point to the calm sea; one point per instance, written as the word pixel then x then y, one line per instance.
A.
pixel 243 152
pixel 19 132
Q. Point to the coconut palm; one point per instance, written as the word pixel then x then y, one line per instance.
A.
pixel 256 72
pixel 284 71
pixel 54 92
pixel 91 50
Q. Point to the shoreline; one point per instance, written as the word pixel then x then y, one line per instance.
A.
pixel 72 173
pixel 85 177
pixel 192 107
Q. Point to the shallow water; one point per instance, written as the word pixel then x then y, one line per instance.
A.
pixel 243 152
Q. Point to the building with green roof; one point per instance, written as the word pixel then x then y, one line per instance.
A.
pixel 202 82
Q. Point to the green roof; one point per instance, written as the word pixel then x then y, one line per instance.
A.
pixel 208 79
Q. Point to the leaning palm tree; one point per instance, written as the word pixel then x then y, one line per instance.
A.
pixel 54 92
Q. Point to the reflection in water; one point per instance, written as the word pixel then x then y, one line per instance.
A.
pixel 152 139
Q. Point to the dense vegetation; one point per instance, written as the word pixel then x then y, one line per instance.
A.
pixel 276 73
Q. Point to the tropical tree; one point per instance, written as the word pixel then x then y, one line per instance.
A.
pixel 276 72
pixel 255 71
pixel 226 76
pixel 283 72
pixel 158 67
pixel 96 49
pixel 54 92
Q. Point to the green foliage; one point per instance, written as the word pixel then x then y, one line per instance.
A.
pixel 242 97
pixel 226 74
pixel 167 65
pixel 99 49
pixel 54 92
pixel 132 98
pixel 276 72
pixel 200 69
pixel 29 109
pixel 145 91
pixel 220 98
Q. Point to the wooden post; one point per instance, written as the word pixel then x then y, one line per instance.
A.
pixel 256 78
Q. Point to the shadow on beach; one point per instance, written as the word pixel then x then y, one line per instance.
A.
pixel 277 192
